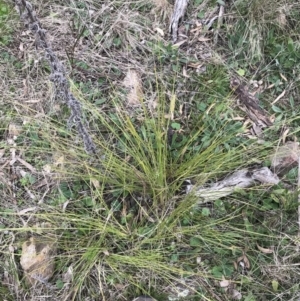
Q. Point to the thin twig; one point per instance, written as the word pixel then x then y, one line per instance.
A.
pixel 220 22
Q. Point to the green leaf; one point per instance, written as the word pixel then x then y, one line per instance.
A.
pixel 202 106
pixel 201 14
pixel 116 205
pixel 100 101
pixel 275 285
pixel 276 109
pixel 174 257
pixel 241 72
pixel 233 235
pixel 291 45
pixel 195 242
pixel 279 191
pixel 4 10
pixel 292 102
pixel 250 297
pixel 205 212
pixel 88 202
pixel 175 125
pixel 117 42
pixel 59 284
pixel 221 2
pixel 217 271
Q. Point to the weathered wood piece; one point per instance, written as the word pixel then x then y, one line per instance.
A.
pixel 282 161
pixel 243 178
pixel 179 11
pixel 250 104
pixel 220 23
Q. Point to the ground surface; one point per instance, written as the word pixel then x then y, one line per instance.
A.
pixel 118 223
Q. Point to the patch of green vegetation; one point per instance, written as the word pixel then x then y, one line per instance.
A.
pixel 6 18
pixel 255 35
pixel 9 59
pixel 122 222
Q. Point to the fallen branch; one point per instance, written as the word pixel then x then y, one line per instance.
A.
pixel 179 11
pixel 284 159
pixel 58 74
pixel 240 179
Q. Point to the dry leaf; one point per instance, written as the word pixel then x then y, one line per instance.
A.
pixel 160 31
pixel 243 259
pixel 24 211
pixel 23 173
pixel 42 228
pixel 26 164
pixel 132 82
pixel 257 130
pixel 64 206
pixel 14 130
pixel 37 260
pixel 184 72
pixel 172 106
pixel 95 183
pixel 242 264
pixel 235 265
pixel 236 295
pixel 224 283
pixel 153 103
pixel 203 39
pixel 278 97
pixel 283 77
pixel 195 65
pixel 33 100
pixel 162 4
pixel 2 151
pixel 58 160
pixel 178 44
pixel 119 286
pixel 145 298
pixel 68 275
pixel 264 250
pixel 281 18
pixel 47 168
pixel 284 135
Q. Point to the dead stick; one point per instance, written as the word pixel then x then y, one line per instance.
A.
pixel 220 22
pixel 299 195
